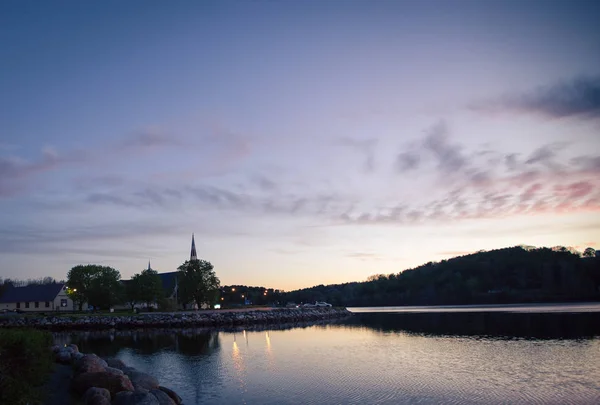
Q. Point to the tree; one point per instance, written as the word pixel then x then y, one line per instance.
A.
pixel 150 287
pixel 589 252
pixel 132 291
pixel 79 283
pixel 145 287
pixel 198 283
pixel 98 285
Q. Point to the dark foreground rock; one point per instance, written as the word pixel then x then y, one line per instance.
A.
pixel 112 382
pixel 97 396
pixel 101 379
pixel 140 397
pixel 172 394
pixel 176 320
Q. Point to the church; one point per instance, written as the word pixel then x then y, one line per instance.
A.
pixel 170 283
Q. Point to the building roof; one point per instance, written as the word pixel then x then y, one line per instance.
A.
pixel 31 293
pixel 168 281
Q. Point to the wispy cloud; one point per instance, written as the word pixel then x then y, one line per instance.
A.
pixel 365 147
pixel 151 138
pixel 575 97
pixel 14 169
pixel 484 184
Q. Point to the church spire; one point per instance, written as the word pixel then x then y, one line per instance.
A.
pixel 193 255
pixel 149 268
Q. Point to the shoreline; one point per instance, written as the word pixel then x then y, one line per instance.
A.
pixel 214 318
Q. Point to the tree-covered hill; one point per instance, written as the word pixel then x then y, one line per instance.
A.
pixel 510 275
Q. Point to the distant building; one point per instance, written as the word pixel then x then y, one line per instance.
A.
pixel 169 282
pixel 40 298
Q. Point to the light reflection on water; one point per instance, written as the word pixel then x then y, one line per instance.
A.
pixel 374 358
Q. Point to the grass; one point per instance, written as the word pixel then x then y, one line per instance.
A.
pixel 25 365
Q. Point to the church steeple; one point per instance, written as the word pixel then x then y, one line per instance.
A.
pixel 149 268
pixel 193 255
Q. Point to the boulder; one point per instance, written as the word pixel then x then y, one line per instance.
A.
pixel 76 356
pixel 138 397
pixel 172 394
pixel 141 380
pixel 63 356
pixel 74 348
pixel 89 363
pixel 116 363
pixel 162 397
pixel 113 370
pixel 97 396
pixel 113 383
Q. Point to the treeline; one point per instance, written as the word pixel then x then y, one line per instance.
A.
pixel 8 282
pixel 101 287
pixel 510 275
pixel 236 295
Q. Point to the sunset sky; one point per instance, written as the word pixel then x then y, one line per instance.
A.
pixel 303 142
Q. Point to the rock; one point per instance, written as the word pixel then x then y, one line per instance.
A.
pixel 113 370
pixel 97 396
pixel 172 394
pixel 141 380
pixel 162 397
pixel 54 349
pixel 116 363
pixel 63 356
pixel 140 397
pixel 76 356
pixel 73 348
pixel 90 363
pixel 113 383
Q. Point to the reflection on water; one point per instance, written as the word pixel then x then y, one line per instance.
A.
pixel 454 358
pixel 488 324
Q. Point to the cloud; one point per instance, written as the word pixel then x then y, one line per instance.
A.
pixel 407 161
pixel 14 169
pixel 364 146
pixel 265 183
pixel 435 147
pixel 147 139
pixel 485 184
pixel 575 97
pixel 20 239
pixel 449 156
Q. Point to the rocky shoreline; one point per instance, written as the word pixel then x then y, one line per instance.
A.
pixel 175 320
pixel 111 381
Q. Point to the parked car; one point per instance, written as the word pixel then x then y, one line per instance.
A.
pixel 308 305
pixel 322 304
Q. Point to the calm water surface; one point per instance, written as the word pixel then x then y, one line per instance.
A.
pixel 386 357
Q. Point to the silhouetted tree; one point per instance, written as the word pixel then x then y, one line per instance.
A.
pixel 198 283
pixel 97 285
pixel 144 287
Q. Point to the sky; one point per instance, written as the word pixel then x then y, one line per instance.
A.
pixel 302 142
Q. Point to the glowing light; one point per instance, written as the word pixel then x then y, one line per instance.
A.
pixel 233 289
pixel 217 306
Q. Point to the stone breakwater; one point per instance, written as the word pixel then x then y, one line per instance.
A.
pixel 175 320
pixel 111 382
